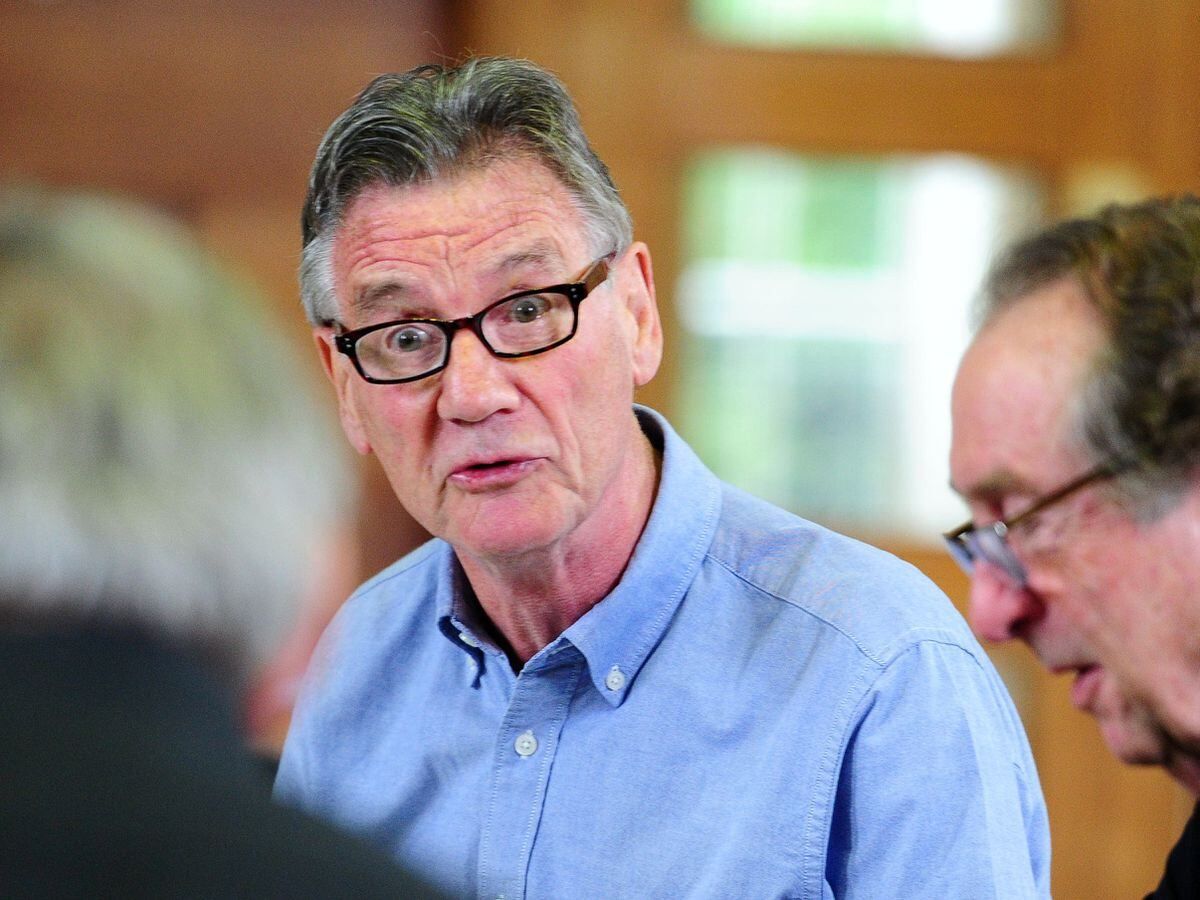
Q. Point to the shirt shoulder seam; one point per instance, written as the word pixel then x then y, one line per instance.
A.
pixel 886 656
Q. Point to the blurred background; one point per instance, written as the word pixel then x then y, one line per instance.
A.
pixel 821 182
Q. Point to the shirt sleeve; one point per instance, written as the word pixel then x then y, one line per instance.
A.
pixel 938 793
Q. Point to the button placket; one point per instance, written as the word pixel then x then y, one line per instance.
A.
pixel 537 710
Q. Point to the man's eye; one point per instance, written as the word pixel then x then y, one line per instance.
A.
pixel 408 339
pixel 528 309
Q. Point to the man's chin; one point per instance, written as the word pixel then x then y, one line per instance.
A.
pixel 510 538
pixel 1133 743
pixel 505 525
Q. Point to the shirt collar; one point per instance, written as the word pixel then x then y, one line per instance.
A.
pixel 618 634
pixel 456 618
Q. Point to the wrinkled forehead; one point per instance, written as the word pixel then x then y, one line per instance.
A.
pixel 467 205
pixel 519 176
pixel 508 221
pixel 1016 399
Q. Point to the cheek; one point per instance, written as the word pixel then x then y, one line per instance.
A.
pixel 1125 607
pixel 1124 586
pixel 1075 594
pixel 593 383
pixel 1085 604
pixel 395 431
pixel 590 414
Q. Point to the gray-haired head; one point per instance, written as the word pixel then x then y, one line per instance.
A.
pixel 1139 265
pixel 163 464
pixel 434 122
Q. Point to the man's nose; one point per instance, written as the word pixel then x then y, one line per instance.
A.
pixel 1000 609
pixel 475 384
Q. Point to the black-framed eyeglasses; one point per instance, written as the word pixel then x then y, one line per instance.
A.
pixel 521 324
pixel 970 542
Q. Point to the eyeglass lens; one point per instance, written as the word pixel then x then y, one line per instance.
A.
pixel 519 326
pixel 989 545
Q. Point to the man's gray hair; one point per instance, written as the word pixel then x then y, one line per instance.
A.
pixel 163 464
pixel 1139 265
pixel 435 122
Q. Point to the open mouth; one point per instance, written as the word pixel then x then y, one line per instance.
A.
pixel 483 467
pixel 497 473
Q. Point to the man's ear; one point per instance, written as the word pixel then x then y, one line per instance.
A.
pixel 638 287
pixel 341 374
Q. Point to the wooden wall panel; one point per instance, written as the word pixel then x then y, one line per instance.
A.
pixel 212 111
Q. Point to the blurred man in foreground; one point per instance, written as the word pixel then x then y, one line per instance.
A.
pixel 165 486
pixel 610 675
pixel 1076 444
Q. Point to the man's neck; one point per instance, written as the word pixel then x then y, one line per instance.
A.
pixel 531 599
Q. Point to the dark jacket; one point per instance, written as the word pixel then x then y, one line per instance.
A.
pixel 1181 881
pixel 123 774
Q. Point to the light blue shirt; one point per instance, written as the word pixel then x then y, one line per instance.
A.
pixel 760 708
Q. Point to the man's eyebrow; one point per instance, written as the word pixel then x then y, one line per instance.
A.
pixel 376 298
pixel 538 255
pixel 999 483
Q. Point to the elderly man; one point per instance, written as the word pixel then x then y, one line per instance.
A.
pixel 1076 444
pixel 609 674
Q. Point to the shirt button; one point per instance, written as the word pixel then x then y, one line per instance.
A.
pixel 615 679
pixel 525 744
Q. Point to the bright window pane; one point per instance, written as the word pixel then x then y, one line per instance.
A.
pixel 825 306
pixel 946 27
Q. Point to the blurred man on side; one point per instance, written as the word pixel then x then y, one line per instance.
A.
pixel 165 485
pixel 1076 444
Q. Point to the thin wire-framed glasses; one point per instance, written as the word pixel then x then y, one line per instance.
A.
pixel 522 324
pixel 970 543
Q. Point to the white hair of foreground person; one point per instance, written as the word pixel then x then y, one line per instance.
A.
pixel 163 462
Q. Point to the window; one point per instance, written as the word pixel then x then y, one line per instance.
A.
pixel 825 306
pixel 944 27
